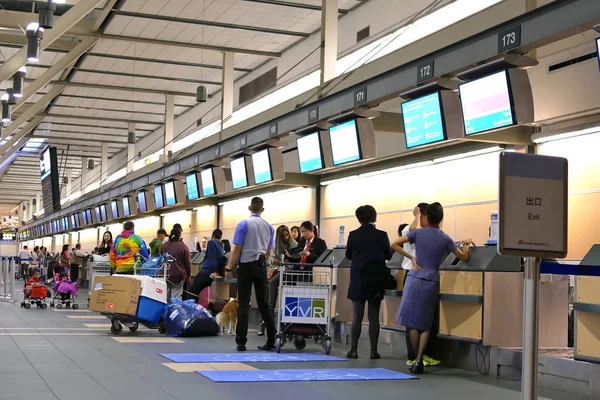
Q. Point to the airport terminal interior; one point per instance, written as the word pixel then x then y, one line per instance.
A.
pixel 133 131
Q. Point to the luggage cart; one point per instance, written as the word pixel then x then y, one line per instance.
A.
pixel 100 267
pixel 304 305
pixel 117 321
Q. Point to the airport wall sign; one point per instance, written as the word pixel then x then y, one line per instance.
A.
pixel 425 71
pixel 509 39
pixel 360 96
pixel 533 205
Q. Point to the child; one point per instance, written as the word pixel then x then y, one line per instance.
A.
pixel 34 287
pixel 65 287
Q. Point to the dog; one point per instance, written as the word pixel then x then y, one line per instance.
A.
pixel 229 316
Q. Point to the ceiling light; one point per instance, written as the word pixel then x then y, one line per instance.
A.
pixel 35 34
pixel 550 137
pixel 18 82
pixel 5 108
pixel 46 11
pixel 467 154
pixel 12 100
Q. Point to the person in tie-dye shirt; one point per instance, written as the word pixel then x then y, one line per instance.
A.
pixel 123 249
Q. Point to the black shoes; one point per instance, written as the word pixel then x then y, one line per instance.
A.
pixel 417 368
pixel 375 355
pixel 241 347
pixel 352 354
pixel 267 347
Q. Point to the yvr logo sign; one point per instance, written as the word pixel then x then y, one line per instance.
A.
pixel 304 307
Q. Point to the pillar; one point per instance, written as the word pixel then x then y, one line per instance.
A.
pixel 130 147
pixel 38 201
pixel 69 185
pixel 227 89
pixel 329 39
pixel 84 173
pixel 104 162
pixel 21 211
pixel 169 122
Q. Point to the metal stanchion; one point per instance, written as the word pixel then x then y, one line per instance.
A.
pixel 530 329
pixel 11 275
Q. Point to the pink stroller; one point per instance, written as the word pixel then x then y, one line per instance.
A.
pixel 65 293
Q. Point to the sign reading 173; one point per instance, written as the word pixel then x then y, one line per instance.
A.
pixel 304 307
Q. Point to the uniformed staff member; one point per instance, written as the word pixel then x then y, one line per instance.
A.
pixel 252 245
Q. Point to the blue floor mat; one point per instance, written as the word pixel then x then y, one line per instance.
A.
pixel 299 375
pixel 250 357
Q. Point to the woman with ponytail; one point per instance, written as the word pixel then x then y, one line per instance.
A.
pixel 180 265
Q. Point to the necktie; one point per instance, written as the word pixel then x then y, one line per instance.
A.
pixel 304 259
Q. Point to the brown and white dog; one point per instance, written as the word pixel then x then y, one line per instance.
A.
pixel 229 316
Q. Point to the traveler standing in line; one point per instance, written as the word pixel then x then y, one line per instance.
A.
pixel 180 269
pixel 212 265
pixel 310 247
pixel 24 256
pixel 65 259
pixel 157 242
pixel 420 221
pixel 226 246
pixel 423 283
pixel 253 243
pixel 368 248
pixel 295 231
pixel 283 242
pixel 125 246
pixel 106 245
pixel 76 262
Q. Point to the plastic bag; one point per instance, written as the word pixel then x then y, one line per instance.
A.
pixel 152 266
pixel 187 319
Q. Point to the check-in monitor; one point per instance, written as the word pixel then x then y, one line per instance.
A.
pixel 310 152
pixel 261 165
pixel 239 173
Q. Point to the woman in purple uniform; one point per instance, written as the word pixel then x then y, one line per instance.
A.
pixel 422 286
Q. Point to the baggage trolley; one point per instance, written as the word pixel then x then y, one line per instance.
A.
pixel 100 267
pixel 304 305
pixel 117 321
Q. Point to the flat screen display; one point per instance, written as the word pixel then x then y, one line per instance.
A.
pixel 66 223
pixel 56 227
pixel 49 178
pixel 208 182
pixel 170 198
pixel 486 103
pixel 85 219
pixel 125 206
pixel 115 209
pixel 191 186
pixel 158 197
pixel 141 198
pixel 261 164
pixel 97 212
pixel 89 216
pixel 598 50
pixel 345 147
pixel 239 175
pixel 423 121
pixel 309 152
pixel 103 212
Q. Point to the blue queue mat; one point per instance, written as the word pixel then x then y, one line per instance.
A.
pixel 250 357
pixel 302 375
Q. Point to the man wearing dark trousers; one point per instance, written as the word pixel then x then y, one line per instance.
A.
pixel 252 245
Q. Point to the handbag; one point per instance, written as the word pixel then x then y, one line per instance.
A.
pixel 390 280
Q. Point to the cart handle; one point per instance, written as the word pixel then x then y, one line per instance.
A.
pixel 288 264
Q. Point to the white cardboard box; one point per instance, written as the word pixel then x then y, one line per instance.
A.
pixel 152 288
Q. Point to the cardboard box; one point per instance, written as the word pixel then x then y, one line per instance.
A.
pixel 112 294
pixel 155 289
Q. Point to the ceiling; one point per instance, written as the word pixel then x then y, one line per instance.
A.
pixel 142 50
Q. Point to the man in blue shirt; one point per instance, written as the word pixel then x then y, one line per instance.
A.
pixel 252 245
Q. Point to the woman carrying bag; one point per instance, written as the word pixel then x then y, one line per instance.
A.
pixel 180 264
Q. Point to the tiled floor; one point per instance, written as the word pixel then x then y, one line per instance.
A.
pixel 48 355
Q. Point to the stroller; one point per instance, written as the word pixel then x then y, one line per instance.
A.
pixel 53 267
pixel 35 294
pixel 65 293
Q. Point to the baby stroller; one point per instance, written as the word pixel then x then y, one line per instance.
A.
pixel 65 293
pixel 35 294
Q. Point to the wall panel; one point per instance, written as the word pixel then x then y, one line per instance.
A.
pixel 88 238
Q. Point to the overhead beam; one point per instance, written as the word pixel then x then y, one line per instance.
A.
pixel 164 62
pixel 94 118
pixel 33 87
pixel 30 112
pixel 154 103
pixel 190 21
pixel 86 137
pixel 124 88
pixel 104 14
pixel 117 128
pixel 7 150
pixel 133 39
pixel 159 77
pixel 123 110
pixel 18 40
pixel 290 4
pixel 61 26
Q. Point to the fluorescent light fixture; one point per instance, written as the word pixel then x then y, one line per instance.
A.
pixel 467 154
pixel 348 178
pixel 566 135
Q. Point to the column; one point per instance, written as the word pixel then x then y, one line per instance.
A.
pixel 21 211
pixel 38 201
pixel 130 147
pixel 84 173
pixel 104 162
pixel 169 122
pixel 329 39
pixel 69 185
pixel 227 89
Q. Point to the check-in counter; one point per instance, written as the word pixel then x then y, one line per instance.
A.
pixel 197 258
pixel 481 301
pixel 587 311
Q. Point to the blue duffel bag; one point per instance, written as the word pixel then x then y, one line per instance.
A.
pixel 152 267
pixel 187 319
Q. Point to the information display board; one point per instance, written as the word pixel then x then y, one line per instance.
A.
pixel 49 176
pixel 208 182
pixel 487 103
pixel 533 205
pixel 310 154
pixel 239 174
pixel 170 196
pixel 159 197
pixel 423 121
pixel 345 144
pixel 261 164
pixel 191 186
